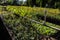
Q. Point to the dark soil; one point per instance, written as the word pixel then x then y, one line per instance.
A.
pixel 4 35
pixel 57 35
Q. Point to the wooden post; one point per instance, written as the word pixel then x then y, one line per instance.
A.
pixel 45 14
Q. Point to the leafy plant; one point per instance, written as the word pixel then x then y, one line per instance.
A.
pixel 44 30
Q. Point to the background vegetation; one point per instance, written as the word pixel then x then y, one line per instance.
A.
pixel 39 3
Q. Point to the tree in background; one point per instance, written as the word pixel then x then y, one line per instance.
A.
pixel 10 2
pixel 42 3
pixel 29 2
pixel 3 1
pixel 38 3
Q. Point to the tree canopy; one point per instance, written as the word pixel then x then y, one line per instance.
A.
pixel 38 3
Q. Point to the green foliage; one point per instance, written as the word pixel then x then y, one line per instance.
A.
pixel 21 28
pixel 24 29
pixel 29 2
pixel 44 30
pixel 39 3
pixel 28 11
pixel 30 14
pixel 10 1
